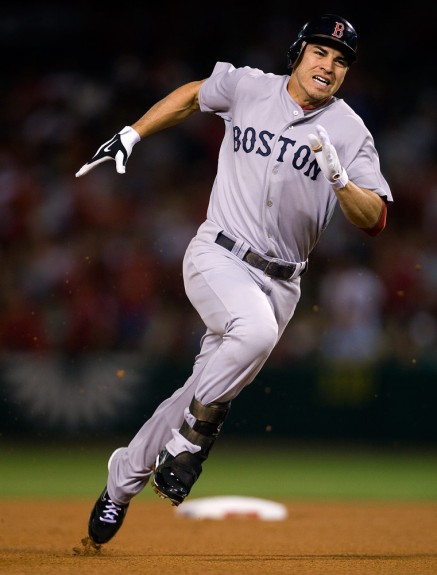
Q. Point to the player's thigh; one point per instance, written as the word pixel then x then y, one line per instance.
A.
pixel 223 291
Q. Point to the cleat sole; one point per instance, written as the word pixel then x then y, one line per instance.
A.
pixel 162 495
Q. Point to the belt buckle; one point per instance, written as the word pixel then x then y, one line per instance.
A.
pixel 273 269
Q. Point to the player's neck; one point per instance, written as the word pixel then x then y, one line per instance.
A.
pixel 317 105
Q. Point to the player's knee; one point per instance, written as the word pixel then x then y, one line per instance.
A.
pixel 258 340
pixel 267 339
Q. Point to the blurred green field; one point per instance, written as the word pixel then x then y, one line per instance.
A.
pixel 268 470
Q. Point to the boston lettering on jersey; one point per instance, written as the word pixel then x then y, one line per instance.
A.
pixel 249 141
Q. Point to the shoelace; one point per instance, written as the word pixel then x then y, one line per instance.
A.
pixel 110 513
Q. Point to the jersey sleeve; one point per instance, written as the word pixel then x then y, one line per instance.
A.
pixel 365 170
pixel 217 93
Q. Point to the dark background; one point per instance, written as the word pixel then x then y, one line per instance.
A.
pixel 95 327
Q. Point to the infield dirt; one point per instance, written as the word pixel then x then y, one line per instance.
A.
pixel 318 538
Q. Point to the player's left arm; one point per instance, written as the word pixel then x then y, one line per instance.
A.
pixel 364 208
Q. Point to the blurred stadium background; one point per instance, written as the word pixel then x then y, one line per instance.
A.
pixel 95 328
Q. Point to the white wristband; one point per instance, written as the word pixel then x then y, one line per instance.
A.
pixel 341 180
pixel 130 135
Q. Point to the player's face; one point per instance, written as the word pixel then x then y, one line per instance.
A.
pixel 318 75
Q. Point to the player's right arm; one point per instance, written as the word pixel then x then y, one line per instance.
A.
pixel 362 207
pixel 171 110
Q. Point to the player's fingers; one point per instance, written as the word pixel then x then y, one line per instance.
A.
pixel 314 142
pixel 90 165
pixel 84 170
pixel 323 135
pixel 119 165
pixel 329 152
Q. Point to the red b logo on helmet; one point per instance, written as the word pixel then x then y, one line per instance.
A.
pixel 338 30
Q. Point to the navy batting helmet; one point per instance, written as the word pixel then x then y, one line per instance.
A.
pixel 328 29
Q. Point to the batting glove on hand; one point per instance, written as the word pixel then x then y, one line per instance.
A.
pixel 326 156
pixel 118 148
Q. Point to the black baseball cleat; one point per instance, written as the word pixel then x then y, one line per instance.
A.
pixel 175 476
pixel 106 518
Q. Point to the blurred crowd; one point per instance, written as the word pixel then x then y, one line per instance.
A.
pixel 94 263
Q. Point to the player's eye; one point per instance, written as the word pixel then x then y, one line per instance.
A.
pixel 341 62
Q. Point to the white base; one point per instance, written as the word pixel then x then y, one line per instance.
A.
pixel 232 506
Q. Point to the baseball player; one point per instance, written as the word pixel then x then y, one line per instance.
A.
pixel 291 152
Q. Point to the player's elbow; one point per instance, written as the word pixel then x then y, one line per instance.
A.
pixel 377 228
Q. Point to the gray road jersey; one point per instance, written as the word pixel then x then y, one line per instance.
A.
pixel 269 190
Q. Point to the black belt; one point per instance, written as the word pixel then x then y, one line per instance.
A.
pixel 273 269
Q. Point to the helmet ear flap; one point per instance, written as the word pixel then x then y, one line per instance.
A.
pixel 295 53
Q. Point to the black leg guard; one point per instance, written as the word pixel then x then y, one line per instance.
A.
pixel 175 476
pixel 209 421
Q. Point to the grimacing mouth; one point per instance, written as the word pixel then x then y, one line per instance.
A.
pixel 321 80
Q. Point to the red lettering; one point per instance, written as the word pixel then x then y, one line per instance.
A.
pixel 338 30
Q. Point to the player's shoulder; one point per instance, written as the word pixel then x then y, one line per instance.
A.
pixel 241 82
pixel 349 117
pixel 348 113
pixel 240 71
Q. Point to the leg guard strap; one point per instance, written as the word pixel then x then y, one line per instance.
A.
pixel 205 442
pixel 209 420
pixel 209 417
pixel 212 413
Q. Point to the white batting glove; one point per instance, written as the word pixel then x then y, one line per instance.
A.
pixel 118 148
pixel 326 156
